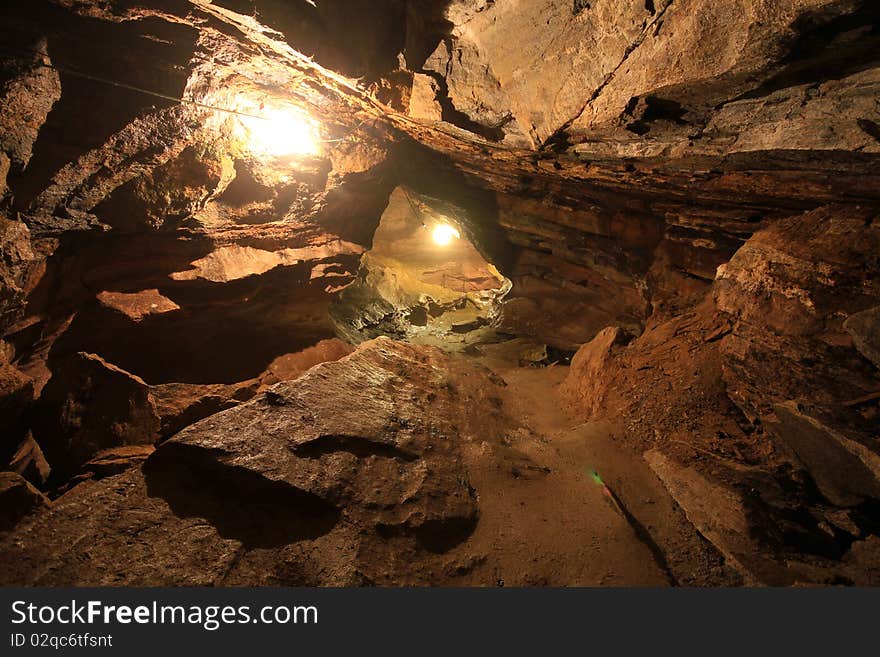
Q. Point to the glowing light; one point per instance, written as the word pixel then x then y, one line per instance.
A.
pixel 443 234
pixel 282 132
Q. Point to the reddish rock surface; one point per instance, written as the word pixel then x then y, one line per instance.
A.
pixel 679 198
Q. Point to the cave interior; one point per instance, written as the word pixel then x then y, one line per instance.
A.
pixel 440 292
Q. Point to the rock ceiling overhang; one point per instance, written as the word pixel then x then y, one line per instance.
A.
pixel 248 56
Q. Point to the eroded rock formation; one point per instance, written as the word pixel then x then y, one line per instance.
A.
pixel 683 192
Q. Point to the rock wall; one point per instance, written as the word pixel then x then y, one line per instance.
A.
pixel 688 188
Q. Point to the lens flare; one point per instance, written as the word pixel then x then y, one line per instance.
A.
pixel 280 132
pixel 443 234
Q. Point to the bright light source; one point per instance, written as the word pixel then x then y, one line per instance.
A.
pixel 444 233
pixel 282 132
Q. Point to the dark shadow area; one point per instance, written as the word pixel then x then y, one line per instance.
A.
pixel 827 49
pixel 224 332
pixel 239 503
pixel 358 38
pixel 439 536
pixel 355 445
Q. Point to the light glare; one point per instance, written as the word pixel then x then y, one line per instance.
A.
pixel 444 234
pixel 282 132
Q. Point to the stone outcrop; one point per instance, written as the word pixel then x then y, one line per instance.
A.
pixel 790 290
pixel 763 387
pixel 321 480
pixel 16 395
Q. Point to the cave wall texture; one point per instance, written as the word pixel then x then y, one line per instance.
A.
pixel 685 192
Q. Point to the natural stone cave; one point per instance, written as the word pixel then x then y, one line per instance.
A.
pixel 421 281
pixel 440 292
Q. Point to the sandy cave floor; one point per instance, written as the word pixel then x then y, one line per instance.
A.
pixel 564 523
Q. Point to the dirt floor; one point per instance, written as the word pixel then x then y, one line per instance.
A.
pixel 596 515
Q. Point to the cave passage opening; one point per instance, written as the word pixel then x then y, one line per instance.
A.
pixel 423 281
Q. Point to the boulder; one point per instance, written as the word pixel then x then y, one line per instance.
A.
pixel 89 405
pixel 386 455
pixel 360 471
pixel 588 376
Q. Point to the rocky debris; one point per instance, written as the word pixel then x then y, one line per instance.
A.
pixel 180 404
pixel 359 471
pixel 90 405
pixel 846 472
pixel 708 392
pixel 29 462
pixel 864 327
pixel 18 498
pixel 717 513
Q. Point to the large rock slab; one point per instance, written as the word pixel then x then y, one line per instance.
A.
pixel 368 435
pixel 360 471
pixel 847 472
